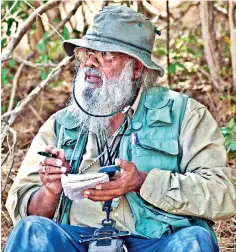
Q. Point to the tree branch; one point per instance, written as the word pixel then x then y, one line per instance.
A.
pixel 221 10
pixel 30 64
pixel 25 27
pixel 25 102
pixel 65 20
pixel 9 11
pixel 15 81
pixel 104 3
pixel 14 85
pixel 12 151
pixel 150 9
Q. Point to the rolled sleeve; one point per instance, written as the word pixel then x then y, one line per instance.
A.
pixel 23 201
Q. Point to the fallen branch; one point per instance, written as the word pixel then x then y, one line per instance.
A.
pixel 25 102
pixel 25 27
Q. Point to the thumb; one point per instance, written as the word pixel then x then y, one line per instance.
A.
pixel 124 164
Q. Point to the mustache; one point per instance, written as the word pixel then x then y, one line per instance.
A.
pixel 89 70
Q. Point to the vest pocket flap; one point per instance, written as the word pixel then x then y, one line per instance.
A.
pixel 70 136
pixel 69 142
pixel 149 147
pixel 156 104
pixel 161 115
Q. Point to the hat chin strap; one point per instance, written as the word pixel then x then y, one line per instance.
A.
pixel 127 106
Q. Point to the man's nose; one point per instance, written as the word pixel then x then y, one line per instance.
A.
pixel 92 62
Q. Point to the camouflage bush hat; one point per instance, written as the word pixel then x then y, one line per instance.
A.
pixel 119 29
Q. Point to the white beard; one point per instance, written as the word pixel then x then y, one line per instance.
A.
pixel 113 95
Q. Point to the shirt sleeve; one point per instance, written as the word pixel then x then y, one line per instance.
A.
pixel 204 187
pixel 27 180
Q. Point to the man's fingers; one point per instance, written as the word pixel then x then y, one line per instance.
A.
pixel 103 193
pixel 48 169
pixel 98 198
pixel 114 184
pixel 124 164
pixel 53 162
pixel 49 178
pixel 59 153
pixel 49 148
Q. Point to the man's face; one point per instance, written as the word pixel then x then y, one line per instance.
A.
pixel 103 90
pixel 113 70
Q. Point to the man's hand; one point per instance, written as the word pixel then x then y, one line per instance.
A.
pixel 131 180
pixel 50 171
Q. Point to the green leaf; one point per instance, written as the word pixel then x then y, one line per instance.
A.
pixel 45 58
pixel 41 47
pixel 75 31
pixel 160 52
pixel 234 129
pixel 172 68
pixel 231 123
pixel 181 66
pixel 232 146
pixel 12 63
pixel 10 22
pixel 43 75
pixel 15 8
pixel 224 130
pixel 4 74
pixel 65 33
pixel 3 42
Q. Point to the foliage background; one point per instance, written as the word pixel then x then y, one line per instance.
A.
pixel 180 50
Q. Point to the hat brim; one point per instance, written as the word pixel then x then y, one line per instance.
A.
pixel 98 44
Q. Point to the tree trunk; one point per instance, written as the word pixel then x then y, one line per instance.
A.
pixel 232 27
pixel 210 56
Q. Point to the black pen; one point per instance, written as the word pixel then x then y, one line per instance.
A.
pixel 47 154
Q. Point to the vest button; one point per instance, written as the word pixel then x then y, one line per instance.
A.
pixel 137 125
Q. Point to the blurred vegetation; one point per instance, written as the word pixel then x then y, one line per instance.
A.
pixel 188 70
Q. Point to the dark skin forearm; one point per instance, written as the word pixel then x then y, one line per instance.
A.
pixel 43 203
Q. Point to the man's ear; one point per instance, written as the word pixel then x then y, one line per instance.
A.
pixel 138 66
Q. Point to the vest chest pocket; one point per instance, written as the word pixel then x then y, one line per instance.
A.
pixel 68 147
pixel 155 153
pixel 69 141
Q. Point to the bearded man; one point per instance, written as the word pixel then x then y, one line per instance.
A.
pixel 173 183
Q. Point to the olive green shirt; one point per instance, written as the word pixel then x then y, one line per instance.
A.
pixel 204 187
